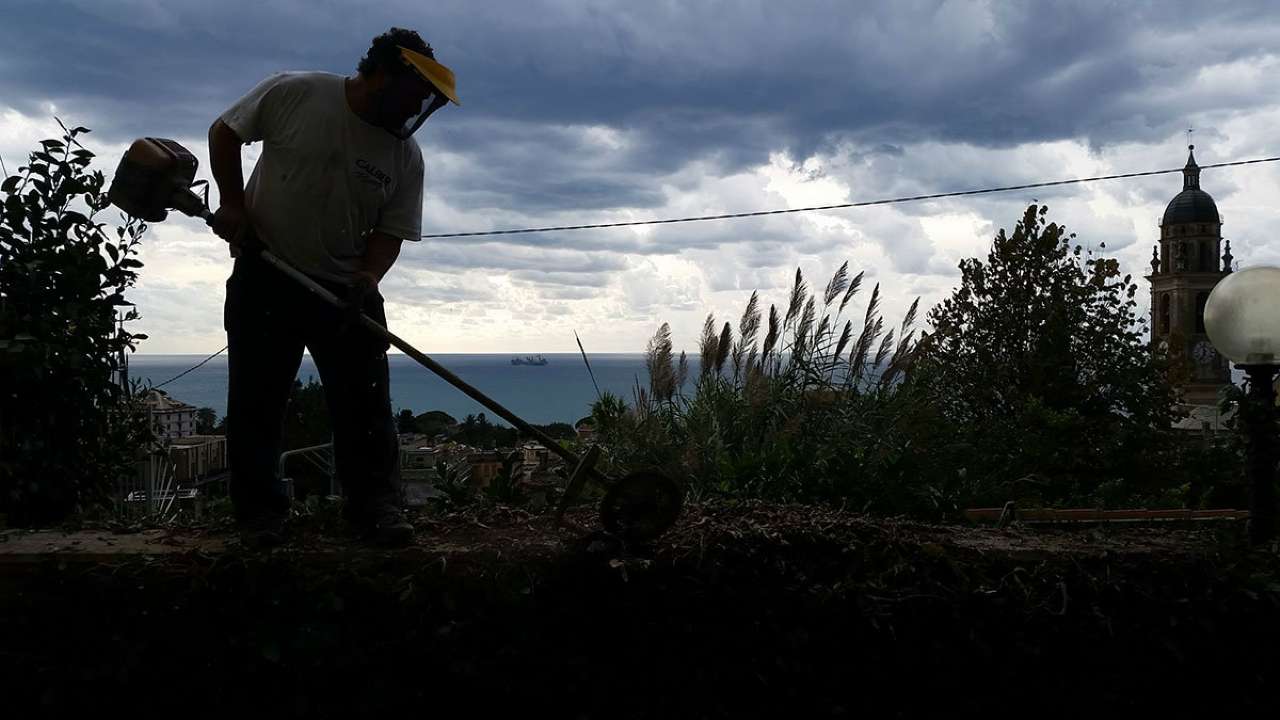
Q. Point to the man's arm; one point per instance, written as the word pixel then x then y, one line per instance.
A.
pixel 224 162
pixel 252 118
pixel 400 219
pixel 381 251
pixel 380 254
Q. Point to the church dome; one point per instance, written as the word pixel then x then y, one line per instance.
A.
pixel 1192 205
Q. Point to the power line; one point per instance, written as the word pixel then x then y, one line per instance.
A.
pixel 759 213
pixel 184 372
pixel 865 203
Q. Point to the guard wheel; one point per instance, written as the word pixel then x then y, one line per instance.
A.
pixel 641 506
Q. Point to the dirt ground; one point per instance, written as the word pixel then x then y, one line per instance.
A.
pixel 515 533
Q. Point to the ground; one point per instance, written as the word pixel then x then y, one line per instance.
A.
pixel 521 534
pixel 740 610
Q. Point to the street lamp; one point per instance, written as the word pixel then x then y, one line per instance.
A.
pixel 1242 319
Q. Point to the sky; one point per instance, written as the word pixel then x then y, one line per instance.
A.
pixel 601 111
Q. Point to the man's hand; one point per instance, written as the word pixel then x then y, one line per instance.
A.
pixel 364 284
pixel 231 223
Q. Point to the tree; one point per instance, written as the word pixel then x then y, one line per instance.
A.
pixel 307 417
pixel 306 424
pixel 206 420
pixel 1038 362
pixel 67 427
pixel 435 422
pixel 405 422
pixel 477 431
pixel 558 431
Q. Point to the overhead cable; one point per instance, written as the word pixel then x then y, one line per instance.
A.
pixel 839 206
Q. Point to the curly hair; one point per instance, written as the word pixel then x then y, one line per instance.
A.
pixel 384 53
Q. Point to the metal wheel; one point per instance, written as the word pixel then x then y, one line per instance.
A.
pixel 641 506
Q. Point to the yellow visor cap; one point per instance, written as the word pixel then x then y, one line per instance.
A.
pixel 433 72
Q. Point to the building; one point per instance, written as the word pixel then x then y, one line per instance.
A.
pixel 485 466
pixel 1186 264
pixel 176 460
pixel 176 468
pixel 418 458
pixel 197 458
pixel 585 429
pixel 170 418
pixel 532 466
pixel 535 456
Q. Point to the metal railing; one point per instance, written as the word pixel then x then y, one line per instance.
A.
pixel 320 456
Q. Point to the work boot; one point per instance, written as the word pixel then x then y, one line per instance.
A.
pixel 262 532
pixel 386 525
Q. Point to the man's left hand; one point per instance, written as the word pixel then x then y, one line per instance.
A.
pixel 367 280
pixel 363 285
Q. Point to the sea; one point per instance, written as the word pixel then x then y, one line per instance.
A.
pixel 560 391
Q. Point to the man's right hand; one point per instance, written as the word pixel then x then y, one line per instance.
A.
pixel 231 223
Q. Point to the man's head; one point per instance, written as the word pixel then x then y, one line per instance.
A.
pixel 405 82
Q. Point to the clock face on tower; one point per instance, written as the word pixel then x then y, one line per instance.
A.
pixel 1204 352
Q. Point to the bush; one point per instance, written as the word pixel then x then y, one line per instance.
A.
pixel 67 427
pixel 816 411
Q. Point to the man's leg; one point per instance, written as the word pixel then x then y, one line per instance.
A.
pixel 263 355
pixel 353 369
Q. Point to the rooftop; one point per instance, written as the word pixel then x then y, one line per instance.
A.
pixel 159 401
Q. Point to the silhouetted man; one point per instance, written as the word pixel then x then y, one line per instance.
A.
pixel 337 188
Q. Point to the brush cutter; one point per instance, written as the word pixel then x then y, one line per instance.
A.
pixel 157 175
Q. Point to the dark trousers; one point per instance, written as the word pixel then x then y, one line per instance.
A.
pixel 269 318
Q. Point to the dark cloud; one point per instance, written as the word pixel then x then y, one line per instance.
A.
pixel 605 112
pixel 530 168
pixel 716 81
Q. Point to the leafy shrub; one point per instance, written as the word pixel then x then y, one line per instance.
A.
pixel 67 427
pixel 453 480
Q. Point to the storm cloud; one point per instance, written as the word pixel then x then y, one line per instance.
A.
pixel 593 111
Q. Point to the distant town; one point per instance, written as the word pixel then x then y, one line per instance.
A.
pixel 186 461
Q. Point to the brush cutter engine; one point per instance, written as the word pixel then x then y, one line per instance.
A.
pixel 157 175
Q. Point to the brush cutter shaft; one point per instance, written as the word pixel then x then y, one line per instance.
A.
pixel 428 363
pixel 472 392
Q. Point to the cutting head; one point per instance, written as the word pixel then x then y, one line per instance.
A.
pixel 641 506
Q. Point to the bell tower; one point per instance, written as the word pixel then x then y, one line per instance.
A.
pixel 1186 264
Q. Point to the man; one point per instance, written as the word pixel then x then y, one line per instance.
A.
pixel 337 188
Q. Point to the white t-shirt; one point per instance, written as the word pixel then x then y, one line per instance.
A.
pixel 325 177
